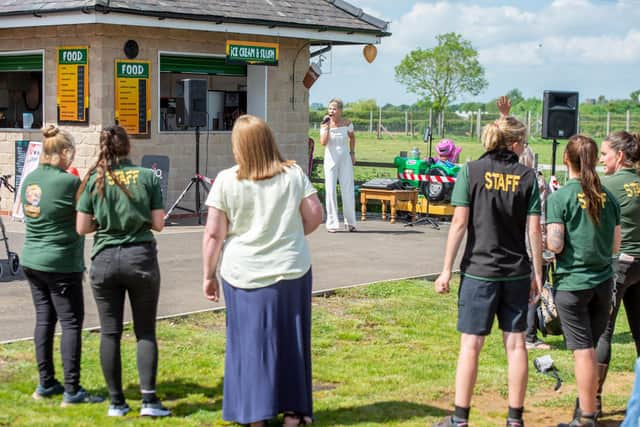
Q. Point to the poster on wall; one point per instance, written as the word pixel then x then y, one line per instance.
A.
pixel 73 85
pixel 133 97
pixel 160 167
pixel 29 161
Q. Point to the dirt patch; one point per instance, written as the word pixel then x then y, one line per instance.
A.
pixel 546 408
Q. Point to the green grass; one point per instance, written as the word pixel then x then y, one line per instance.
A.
pixel 383 355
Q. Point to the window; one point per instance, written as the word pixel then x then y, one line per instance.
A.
pixel 226 96
pixel 21 90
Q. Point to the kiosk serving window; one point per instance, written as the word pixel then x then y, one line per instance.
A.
pixel 226 97
pixel 21 90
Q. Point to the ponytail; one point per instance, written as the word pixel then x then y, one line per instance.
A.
pixel 582 154
pixel 499 134
pixel 114 143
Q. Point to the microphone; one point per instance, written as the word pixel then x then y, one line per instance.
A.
pixel 325 119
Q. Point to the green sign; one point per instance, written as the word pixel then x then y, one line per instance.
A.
pixel 72 56
pixel 133 70
pixel 252 52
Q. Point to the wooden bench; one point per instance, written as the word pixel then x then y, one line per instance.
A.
pixel 391 196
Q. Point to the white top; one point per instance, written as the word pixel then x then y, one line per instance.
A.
pixel 338 144
pixel 265 240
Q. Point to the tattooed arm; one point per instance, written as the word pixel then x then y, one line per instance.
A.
pixel 555 237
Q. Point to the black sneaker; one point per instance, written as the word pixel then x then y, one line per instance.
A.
pixel 514 423
pixel 46 392
pixel 450 422
pixel 81 396
pixel 579 420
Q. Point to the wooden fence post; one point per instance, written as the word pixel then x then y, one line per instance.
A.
pixel 608 122
pixel 406 123
pixel 628 120
pixel 478 130
pixel 370 122
pixel 379 122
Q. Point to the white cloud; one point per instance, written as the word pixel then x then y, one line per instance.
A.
pixel 530 45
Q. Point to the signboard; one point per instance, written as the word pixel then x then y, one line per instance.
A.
pixel 133 97
pixel 160 166
pixel 73 85
pixel 30 161
pixel 256 53
pixel 20 157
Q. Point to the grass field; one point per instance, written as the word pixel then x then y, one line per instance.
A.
pixel 383 355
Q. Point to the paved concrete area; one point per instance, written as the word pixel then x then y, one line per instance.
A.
pixel 378 251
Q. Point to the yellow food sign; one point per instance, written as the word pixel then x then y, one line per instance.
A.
pixel 73 84
pixel 133 96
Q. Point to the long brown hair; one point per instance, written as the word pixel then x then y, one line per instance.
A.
pixel 255 149
pixel 502 133
pixel 114 144
pixel 582 154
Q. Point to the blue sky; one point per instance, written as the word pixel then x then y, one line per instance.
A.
pixel 591 46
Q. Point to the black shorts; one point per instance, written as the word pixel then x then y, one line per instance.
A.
pixel 479 301
pixel 584 314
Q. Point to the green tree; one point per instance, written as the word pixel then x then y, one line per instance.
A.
pixel 635 96
pixel 443 73
pixel 362 105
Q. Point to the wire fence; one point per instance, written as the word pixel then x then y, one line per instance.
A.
pixel 392 122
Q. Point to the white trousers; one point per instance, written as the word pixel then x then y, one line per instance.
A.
pixel 339 170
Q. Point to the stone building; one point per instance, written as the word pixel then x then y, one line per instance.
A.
pixel 86 64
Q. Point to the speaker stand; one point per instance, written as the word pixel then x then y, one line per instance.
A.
pixel 554 147
pixel 195 179
pixel 427 217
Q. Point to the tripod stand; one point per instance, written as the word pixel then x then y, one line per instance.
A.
pixel 425 189
pixel 195 179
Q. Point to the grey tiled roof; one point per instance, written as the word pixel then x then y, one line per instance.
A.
pixel 329 14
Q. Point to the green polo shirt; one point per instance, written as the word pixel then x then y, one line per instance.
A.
pixel 585 261
pixel 48 198
pixel 121 220
pixel 625 186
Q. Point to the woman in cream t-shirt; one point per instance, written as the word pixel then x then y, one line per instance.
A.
pixel 260 210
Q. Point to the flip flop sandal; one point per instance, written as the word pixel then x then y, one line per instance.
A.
pixel 301 419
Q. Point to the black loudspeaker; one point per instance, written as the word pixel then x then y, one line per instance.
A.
pixel 194 93
pixel 559 114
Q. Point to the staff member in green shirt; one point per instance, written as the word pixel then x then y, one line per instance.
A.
pixel 52 259
pixel 619 153
pixel 122 203
pixel 497 202
pixel 583 230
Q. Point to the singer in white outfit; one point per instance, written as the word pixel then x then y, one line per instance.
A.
pixel 339 140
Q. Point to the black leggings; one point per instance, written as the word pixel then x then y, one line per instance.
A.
pixel 627 291
pixel 57 296
pixel 116 271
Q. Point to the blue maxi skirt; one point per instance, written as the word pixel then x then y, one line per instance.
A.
pixel 267 367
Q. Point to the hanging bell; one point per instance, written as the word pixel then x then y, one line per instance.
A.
pixel 370 53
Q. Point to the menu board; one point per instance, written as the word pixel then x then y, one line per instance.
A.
pixel 133 97
pixel 73 84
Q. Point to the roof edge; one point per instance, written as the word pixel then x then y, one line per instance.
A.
pixel 360 14
pixel 101 7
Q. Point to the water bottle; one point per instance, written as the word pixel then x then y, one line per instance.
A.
pixel 415 153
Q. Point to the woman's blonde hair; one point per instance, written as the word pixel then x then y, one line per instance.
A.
pixel 255 149
pixel 56 142
pixel 338 101
pixel 502 133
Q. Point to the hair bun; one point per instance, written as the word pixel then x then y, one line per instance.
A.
pixel 50 131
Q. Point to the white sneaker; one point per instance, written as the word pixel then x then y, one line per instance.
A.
pixel 154 409
pixel 118 410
